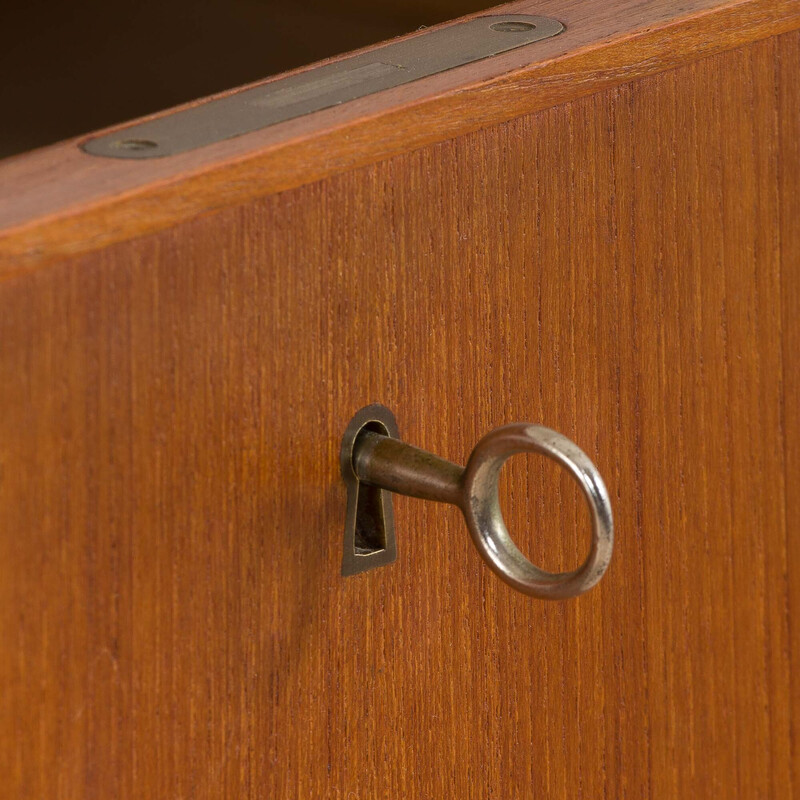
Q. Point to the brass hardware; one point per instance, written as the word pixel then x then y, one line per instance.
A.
pixel 369 527
pixel 372 456
pixel 317 88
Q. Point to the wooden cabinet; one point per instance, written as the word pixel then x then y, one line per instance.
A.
pixel 597 232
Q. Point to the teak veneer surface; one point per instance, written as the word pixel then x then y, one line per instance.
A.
pixel 622 267
pixel 60 201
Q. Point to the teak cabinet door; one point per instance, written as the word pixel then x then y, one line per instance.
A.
pixel 599 233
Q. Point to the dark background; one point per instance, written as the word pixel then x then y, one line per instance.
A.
pixel 68 69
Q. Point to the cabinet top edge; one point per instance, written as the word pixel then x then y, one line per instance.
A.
pixel 59 201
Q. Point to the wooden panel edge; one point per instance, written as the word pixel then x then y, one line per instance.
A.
pixel 232 181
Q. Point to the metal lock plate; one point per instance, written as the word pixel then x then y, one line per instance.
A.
pixel 324 87
pixel 369 539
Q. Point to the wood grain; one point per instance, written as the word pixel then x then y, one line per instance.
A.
pixel 60 201
pixel 787 99
pixel 621 267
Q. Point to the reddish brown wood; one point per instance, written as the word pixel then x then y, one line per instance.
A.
pixel 59 201
pixel 621 267
pixel 788 166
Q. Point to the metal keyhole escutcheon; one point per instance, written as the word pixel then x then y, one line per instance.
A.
pixel 374 462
